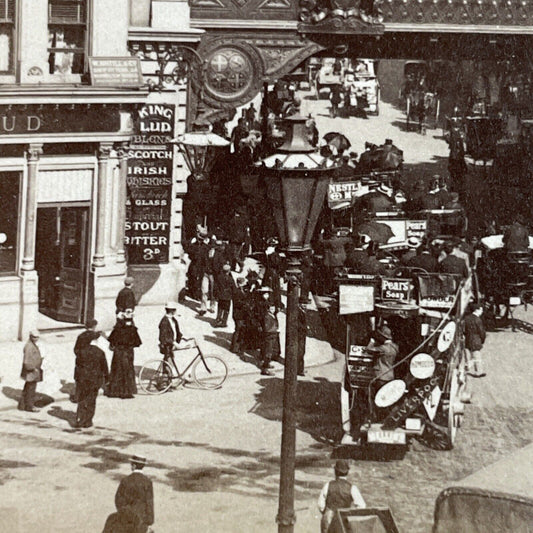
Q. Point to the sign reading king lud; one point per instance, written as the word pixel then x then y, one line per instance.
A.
pixel 149 182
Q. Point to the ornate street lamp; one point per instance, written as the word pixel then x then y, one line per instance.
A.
pixel 199 149
pixel 296 180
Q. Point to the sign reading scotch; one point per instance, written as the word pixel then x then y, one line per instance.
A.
pixel 149 182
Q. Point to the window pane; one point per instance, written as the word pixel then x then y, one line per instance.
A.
pixel 5 47
pixel 9 203
pixel 66 45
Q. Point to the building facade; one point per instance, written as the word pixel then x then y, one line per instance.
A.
pixel 69 97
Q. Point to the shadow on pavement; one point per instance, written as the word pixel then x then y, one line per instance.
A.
pixel 69 416
pixel 41 400
pixel 317 407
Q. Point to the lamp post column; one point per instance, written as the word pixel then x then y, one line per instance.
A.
pixel 286 516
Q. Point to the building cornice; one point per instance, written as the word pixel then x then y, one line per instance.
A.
pixel 53 94
pixel 390 27
pixel 192 35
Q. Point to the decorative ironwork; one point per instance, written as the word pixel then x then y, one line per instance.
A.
pixel 484 12
pixel 175 64
pixel 341 16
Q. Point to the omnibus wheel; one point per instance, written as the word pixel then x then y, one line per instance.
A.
pixel 209 373
pixel 155 376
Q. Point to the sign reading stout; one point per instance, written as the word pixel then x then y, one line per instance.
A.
pixel 148 208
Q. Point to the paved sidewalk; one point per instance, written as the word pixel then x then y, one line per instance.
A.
pixel 57 349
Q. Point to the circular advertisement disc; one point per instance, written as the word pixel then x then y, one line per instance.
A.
pixel 446 337
pixel 422 366
pixel 390 393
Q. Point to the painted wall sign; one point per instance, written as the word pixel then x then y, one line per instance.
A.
pixel 149 182
pixel 116 71
pixel 72 118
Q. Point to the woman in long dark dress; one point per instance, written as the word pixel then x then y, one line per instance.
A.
pixel 122 340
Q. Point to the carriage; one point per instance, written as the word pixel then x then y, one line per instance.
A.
pixel 505 279
pixel 421 100
pixel 425 313
pixel 330 73
pixel 496 499
pixel 361 85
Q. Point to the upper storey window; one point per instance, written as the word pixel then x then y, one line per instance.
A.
pixel 67 36
pixel 7 31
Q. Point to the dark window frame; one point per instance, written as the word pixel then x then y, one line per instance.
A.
pixel 8 19
pixel 15 266
pixel 65 14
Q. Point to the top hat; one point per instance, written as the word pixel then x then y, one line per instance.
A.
pixel 171 305
pixel 128 281
pixel 35 333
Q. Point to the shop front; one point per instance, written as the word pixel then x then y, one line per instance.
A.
pixel 63 172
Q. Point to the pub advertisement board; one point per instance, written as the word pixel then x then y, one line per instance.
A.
pixel 149 185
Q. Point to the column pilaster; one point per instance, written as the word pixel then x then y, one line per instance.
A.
pixel 104 152
pixel 122 151
pixel 28 258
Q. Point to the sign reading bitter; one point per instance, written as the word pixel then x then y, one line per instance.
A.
pixel 149 185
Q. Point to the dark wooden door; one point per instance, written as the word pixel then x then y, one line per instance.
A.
pixel 72 285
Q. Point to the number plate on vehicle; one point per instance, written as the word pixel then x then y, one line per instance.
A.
pixel 386 437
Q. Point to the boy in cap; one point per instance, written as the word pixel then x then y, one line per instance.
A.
pixel 224 286
pixel 126 297
pixel 136 493
pixel 338 494
pixel 31 372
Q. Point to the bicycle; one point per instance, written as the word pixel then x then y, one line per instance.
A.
pixel 207 371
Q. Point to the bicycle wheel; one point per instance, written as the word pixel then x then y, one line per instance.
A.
pixel 155 376
pixel 209 372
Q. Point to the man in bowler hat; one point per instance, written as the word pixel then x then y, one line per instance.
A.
pixel 31 372
pixel 338 494
pixel 135 493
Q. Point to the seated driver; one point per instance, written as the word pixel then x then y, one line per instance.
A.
pixel 516 236
pixel 386 351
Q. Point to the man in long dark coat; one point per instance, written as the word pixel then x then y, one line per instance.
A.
pixel 84 339
pixel 224 286
pixel 136 493
pixel 92 373
pixel 241 312
pixel 31 372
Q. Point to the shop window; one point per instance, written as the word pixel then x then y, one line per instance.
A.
pixel 67 36
pixel 7 31
pixel 9 221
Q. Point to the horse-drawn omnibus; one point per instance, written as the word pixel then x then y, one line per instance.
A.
pixel 421 393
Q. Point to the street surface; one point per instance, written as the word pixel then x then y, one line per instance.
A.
pixel 214 455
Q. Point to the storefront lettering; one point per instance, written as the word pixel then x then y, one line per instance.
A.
pixel 30 119
pixel 12 123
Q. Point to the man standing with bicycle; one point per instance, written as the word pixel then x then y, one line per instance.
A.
pixel 169 332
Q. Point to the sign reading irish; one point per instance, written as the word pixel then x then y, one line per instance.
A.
pixel 149 181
